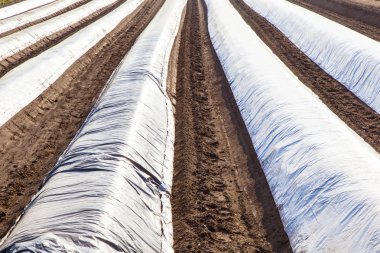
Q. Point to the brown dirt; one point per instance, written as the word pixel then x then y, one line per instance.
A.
pixel 68 8
pixel 356 114
pixel 221 200
pixel 372 3
pixel 32 141
pixel 360 17
pixel 13 61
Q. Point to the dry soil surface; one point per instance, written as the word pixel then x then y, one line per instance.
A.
pixel 221 200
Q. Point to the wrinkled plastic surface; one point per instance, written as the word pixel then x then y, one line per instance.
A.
pixel 324 178
pixel 32 15
pixel 26 82
pixel 350 57
pixel 109 191
pixel 21 7
pixel 18 41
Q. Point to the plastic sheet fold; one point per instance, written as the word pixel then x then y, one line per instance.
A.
pixel 27 81
pixel 324 178
pixel 33 15
pixel 350 57
pixel 21 7
pixel 18 41
pixel 109 191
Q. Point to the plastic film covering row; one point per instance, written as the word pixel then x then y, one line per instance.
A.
pixel 350 57
pixel 323 176
pixel 27 81
pixel 109 191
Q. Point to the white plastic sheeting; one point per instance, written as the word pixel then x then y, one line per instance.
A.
pixel 350 57
pixel 18 41
pixel 24 6
pixel 324 178
pixel 109 191
pixel 26 82
pixel 32 15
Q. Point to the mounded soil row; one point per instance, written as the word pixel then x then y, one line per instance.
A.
pixel 32 141
pixel 44 44
pixel 221 200
pixel 359 17
pixel 355 113
pixel 37 21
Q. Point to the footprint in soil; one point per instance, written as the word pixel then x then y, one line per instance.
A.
pixel 212 206
pixel 224 213
pixel 214 143
pixel 211 155
pixel 210 223
pixel 204 189
pixel 205 131
pixel 221 237
pixel 219 185
pixel 202 96
pixel 2 215
pixel 219 196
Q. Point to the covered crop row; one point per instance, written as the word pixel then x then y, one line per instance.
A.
pixel 109 191
pixel 32 15
pixel 22 7
pixel 40 72
pixel 360 11
pixel 323 177
pixel 18 41
pixel 350 57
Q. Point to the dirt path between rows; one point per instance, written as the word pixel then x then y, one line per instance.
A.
pixel 37 21
pixel 13 61
pixel 359 17
pixel 355 113
pixel 221 200
pixel 32 141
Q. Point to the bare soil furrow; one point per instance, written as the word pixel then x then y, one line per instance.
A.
pixel 44 44
pixel 37 21
pixel 361 18
pixel 355 113
pixel 32 141
pixel 221 200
